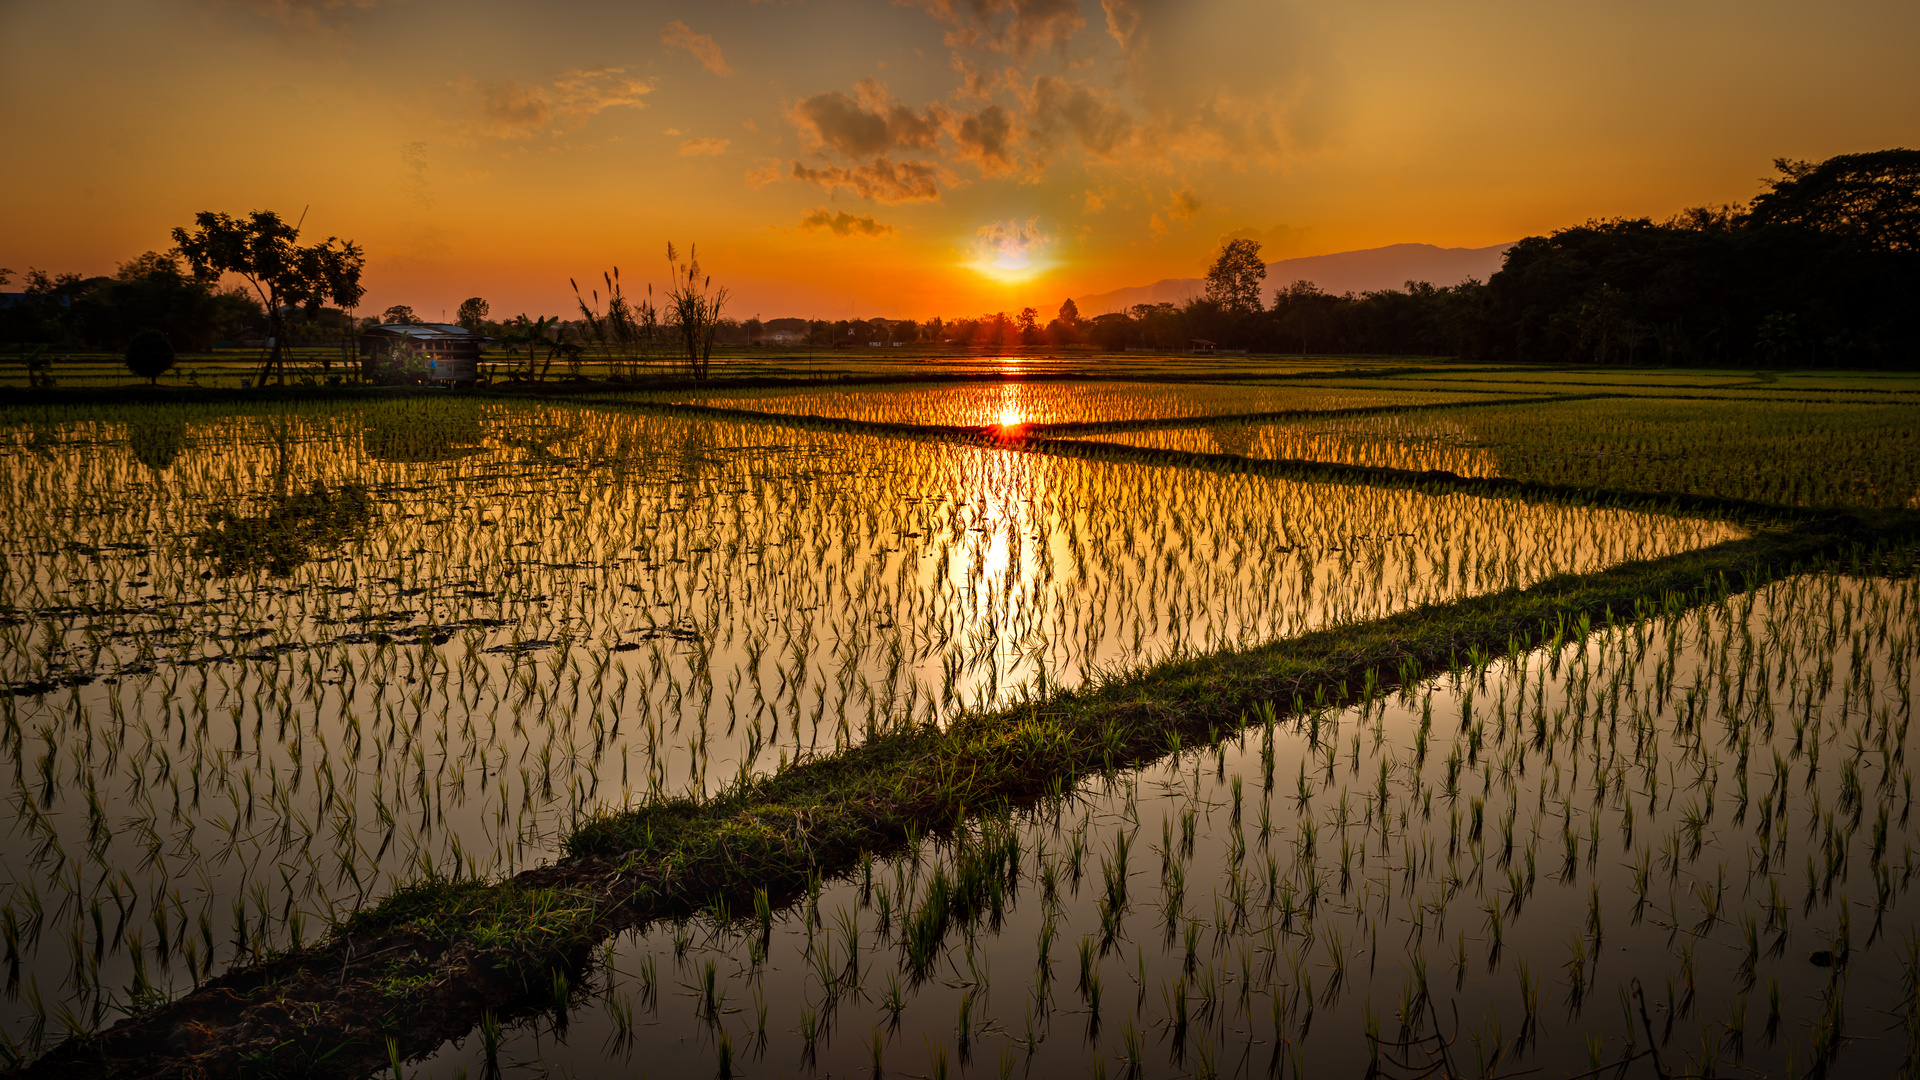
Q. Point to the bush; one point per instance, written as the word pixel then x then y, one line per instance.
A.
pixel 150 355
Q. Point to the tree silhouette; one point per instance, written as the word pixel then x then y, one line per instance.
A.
pixel 1871 198
pixel 472 315
pixel 1233 282
pixel 265 251
pixel 150 355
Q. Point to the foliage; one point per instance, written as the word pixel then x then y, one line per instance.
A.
pixel 150 355
pixel 472 315
pixel 1872 199
pixel 400 314
pixel 264 251
pixel 1234 279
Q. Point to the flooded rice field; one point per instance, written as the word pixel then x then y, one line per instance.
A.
pixel 1786 453
pixel 262 666
pixel 1011 404
pixel 1683 844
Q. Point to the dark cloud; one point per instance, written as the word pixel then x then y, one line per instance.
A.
pixel 843 224
pixel 985 138
pixel 1015 26
pixel 881 179
pixel 1058 108
pixel 869 124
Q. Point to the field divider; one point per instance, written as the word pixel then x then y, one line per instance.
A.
pixel 436 957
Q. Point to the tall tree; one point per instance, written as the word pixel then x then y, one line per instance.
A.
pixel 472 314
pixel 1233 282
pixel 266 253
pixel 1873 198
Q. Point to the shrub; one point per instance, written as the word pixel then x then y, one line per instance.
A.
pixel 150 355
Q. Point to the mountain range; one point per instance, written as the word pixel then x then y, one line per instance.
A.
pixel 1368 270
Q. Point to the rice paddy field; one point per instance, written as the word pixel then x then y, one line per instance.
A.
pixel 1798 453
pixel 790 741
pixel 1017 404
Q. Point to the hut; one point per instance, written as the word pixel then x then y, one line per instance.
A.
pixel 1200 346
pixel 421 353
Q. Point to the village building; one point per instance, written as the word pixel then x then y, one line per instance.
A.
pixel 421 353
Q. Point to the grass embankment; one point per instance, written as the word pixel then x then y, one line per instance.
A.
pixel 435 959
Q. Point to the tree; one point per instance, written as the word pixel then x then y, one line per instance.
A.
pixel 1233 282
pixel 150 355
pixel 1029 325
pixel 1873 199
pixel 400 314
pixel 754 328
pixel 264 251
pixel 1070 312
pixel 472 315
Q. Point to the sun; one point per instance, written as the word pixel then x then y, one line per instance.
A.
pixel 1010 252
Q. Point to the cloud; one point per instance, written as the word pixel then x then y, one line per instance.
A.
pixel 702 147
pixel 985 137
pixel 843 224
pixel 881 179
pixel 320 15
pixel 678 35
pixel 1271 88
pixel 1058 108
pixel 864 124
pixel 413 175
pixel 506 109
pixel 766 172
pixel 1278 242
pixel 1185 205
pixel 1013 26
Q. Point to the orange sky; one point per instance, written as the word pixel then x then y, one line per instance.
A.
pixel 906 159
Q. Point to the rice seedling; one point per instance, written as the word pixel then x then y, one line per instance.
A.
pixel 1628 682
pixel 545 613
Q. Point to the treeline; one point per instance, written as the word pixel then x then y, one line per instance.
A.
pixel 1821 269
pixel 151 292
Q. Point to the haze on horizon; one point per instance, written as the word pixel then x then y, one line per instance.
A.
pixel 906 159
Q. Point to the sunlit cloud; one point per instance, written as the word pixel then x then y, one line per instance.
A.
pixel 882 180
pixel 507 109
pixel 678 35
pixel 843 224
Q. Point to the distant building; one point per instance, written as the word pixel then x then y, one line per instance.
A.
pixel 421 352
pixel 1199 345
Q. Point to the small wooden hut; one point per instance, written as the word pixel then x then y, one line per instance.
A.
pixel 421 353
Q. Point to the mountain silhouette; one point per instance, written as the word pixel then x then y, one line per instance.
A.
pixel 1368 270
